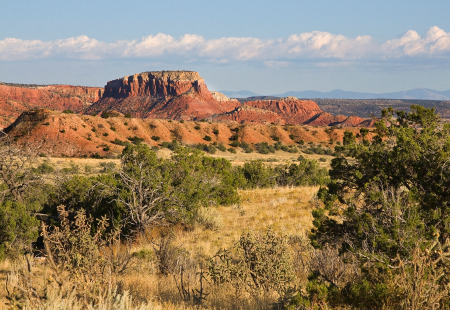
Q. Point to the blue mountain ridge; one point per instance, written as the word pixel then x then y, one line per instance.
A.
pixel 416 93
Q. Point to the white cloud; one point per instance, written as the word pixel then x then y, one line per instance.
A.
pixel 435 42
pixel 312 46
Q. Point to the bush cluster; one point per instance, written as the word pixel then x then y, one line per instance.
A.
pixel 208 148
pixel 259 175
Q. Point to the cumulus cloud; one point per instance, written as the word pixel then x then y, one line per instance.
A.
pixel 435 42
pixel 316 46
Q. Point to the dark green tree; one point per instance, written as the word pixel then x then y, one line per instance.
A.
pixel 388 198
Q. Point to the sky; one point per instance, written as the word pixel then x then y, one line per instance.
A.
pixel 268 47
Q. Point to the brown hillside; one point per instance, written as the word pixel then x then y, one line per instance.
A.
pixel 17 98
pixel 292 110
pixel 83 135
pixel 247 114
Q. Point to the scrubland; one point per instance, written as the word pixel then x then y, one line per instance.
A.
pixel 181 230
pixel 285 210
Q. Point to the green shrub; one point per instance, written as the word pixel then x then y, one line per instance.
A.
pixel 156 138
pixel 390 195
pixel 264 148
pixel 211 149
pixel 322 159
pixel 170 145
pixel 45 168
pixel 128 115
pixel 257 174
pixel 105 114
pixel 67 111
pixel 136 140
pixel 107 166
pixel 120 142
pixel 231 150
pixel 235 143
pixel 221 147
pixel 306 172
pixel 207 138
pixel 216 131
pixel 246 147
pixel 292 149
pixel 18 229
pixel 197 127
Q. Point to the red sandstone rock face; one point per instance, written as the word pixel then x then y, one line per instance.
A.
pixel 15 99
pixel 325 119
pixel 158 84
pixel 351 121
pixel 163 95
pixel 292 110
pixel 247 114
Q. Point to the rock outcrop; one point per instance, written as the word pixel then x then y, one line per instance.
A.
pixel 177 95
pixel 163 94
pixel 292 110
pixel 17 98
pixel 158 84
pixel 325 119
pixel 247 114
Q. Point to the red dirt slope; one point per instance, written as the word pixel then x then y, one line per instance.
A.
pixel 84 135
pixel 17 98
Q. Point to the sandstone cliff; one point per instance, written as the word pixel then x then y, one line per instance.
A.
pixel 246 114
pixel 164 94
pixel 292 110
pixel 17 98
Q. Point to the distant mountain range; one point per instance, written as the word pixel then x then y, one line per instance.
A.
pixel 416 93
pixel 239 94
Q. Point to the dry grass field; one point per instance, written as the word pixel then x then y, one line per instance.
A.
pixel 285 210
pixel 238 159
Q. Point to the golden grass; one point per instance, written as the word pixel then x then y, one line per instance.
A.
pixel 285 210
pixel 238 159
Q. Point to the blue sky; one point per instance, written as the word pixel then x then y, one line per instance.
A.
pixel 264 46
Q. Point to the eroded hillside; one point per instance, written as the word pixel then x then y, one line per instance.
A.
pixel 77 135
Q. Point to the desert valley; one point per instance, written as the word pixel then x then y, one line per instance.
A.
pixel 156 193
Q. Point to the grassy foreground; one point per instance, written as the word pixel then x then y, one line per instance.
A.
pixel 285 210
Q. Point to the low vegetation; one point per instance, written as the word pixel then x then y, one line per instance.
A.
pixel 191 231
